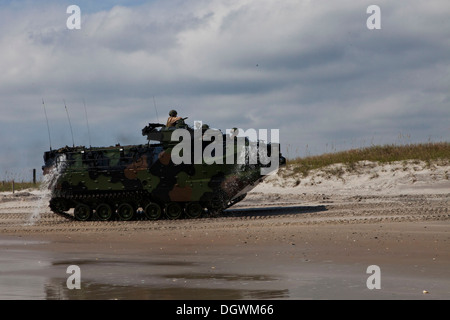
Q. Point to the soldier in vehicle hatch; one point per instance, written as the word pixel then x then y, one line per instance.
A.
pixel 173 118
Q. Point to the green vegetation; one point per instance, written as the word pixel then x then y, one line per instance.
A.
pixel 428 152
pixel 18 186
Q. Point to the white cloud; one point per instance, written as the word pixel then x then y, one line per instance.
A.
pixel 310 68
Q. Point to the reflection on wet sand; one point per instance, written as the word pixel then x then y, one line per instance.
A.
pixel 156 283
pixel 56 290
pixel 38 275
pixel 227 277
pixel 110 262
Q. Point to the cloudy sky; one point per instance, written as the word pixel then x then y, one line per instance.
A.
pixel 310 68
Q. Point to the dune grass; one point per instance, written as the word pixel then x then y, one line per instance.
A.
pixel 428 152
pixel 18 186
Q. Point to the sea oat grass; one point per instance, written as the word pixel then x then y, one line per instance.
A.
pixel 427 152
pixel 18 186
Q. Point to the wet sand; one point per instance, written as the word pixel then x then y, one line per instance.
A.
pixel 291 238
pixel 316 251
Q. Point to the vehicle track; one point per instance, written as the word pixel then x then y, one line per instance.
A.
pixel 255 211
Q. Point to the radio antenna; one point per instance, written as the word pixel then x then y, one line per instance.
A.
pixel 87 123
pixel 156 110
pixel 48 127
pixel 70 125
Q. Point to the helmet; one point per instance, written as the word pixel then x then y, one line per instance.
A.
pixel 172 113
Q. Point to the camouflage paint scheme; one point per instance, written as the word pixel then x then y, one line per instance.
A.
pixel 120 180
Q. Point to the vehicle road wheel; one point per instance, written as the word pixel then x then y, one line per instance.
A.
pixel 173 211
pixel 153 211
pixel 125 211
pixel 104 211
pixel 82 212
pixel 194 210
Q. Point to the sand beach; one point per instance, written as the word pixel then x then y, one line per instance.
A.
pixel 292 238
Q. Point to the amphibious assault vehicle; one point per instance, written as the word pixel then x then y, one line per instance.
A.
pixel 144 182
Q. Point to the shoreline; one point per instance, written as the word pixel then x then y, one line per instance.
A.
pixel 287 262
pixel 307 242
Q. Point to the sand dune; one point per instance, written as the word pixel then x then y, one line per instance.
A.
pixel 292 237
